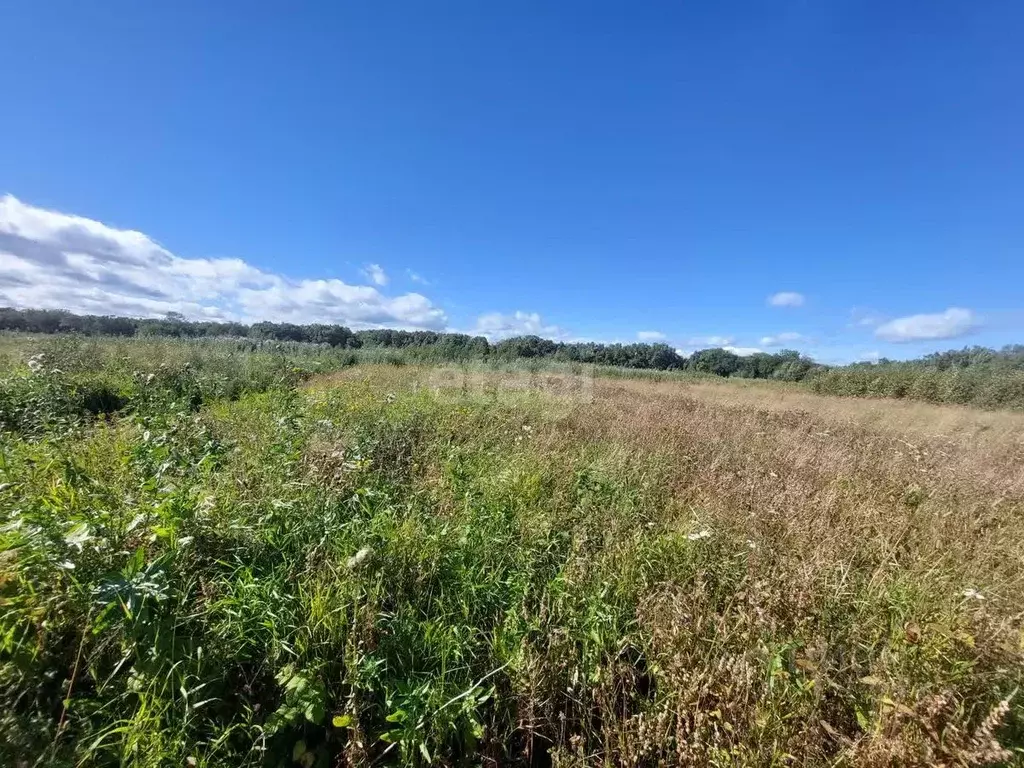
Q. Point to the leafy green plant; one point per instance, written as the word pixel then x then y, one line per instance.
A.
pixel 239 565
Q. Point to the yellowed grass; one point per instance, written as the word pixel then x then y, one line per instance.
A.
pixel 903 416
pixel 824 475
pixel 846 505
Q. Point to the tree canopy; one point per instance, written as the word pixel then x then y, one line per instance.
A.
pixel 786 365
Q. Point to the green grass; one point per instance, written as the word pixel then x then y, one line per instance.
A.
pixel 215 566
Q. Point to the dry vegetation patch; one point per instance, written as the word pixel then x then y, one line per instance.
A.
pixel 884 541
pixel 409 565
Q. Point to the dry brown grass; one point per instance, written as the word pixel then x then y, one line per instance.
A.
pixel 905 417
pixel 416 566
pixel 892 512
pixel 901 477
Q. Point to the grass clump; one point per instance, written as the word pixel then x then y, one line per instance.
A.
pixel 232 569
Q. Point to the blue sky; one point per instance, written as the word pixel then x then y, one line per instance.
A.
pixel 577 169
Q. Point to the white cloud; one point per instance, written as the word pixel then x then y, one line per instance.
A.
pixel 697 343
pixel 495 325
pixel 376 273
pixel 742 351
pixel 786 299
pixel 417 278
pixel 53 260
pixel 649 336
pixel 941 325
pixel 869 357
pixel 786 337
pixel 703 342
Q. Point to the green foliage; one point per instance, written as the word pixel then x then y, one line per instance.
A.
pixel 222 568
pixel 411 346
pixel 228 359
pixel 975 376
pixel 980 377
pixel 69 381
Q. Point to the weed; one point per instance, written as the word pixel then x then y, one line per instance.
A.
pixel 206 560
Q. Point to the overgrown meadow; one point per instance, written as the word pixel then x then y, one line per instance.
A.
pixel 215 556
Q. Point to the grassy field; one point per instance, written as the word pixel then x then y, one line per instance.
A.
pixel 213 559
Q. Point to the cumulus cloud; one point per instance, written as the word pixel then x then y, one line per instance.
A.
pixel 53 260
pixel 786 337
pixel 495 325
pixel 703 342
pixel 786 299
pixel 743 351
pixel 950 324
pixel 650 336
pixel 697 343
pixel 376 274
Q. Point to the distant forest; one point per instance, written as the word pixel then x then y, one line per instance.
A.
pixel 885 377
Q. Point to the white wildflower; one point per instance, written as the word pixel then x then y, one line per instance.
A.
pixel 699 535
pixel 150 377
pixel 359 558
pixel 973 594
pixel 35 363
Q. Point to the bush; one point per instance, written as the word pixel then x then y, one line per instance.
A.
pixel 235 570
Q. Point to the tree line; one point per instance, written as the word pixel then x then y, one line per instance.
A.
pixel 787 364
pixel 977 376
pixel 885 377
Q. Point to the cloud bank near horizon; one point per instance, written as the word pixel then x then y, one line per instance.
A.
pixel 53 260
